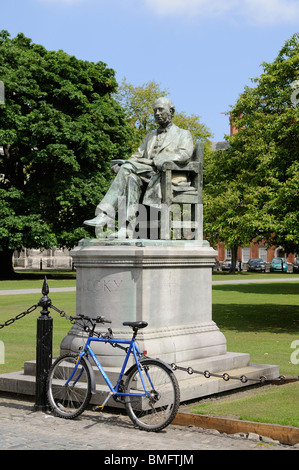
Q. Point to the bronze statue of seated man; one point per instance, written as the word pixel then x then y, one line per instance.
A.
pixel 141 173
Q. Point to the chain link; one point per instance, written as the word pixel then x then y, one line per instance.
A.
pixel 243 378
pixel 63 314
pixel 18 317
pixel 225 376
pixel 32 309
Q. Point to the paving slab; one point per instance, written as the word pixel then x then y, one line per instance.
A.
pixel 112 433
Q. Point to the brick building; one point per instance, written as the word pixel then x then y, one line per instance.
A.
pixel 255 250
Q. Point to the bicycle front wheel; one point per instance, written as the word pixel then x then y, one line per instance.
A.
pixel 68 400
pixel 158 409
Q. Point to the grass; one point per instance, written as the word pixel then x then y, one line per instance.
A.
pixel 259 319
pixel 244 275
pixel 262 320
pixel 275 405
pixel 20 338
pixel 34 279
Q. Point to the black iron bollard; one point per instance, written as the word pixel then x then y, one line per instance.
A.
pixel 44 339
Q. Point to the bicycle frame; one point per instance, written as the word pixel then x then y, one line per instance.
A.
pixel 132 349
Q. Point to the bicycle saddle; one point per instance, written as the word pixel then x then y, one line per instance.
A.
pixel 135 324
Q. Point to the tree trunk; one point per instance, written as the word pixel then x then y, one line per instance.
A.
pixel 6 267
pixel 234 250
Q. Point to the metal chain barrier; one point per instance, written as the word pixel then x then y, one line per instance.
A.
pixel 207 374
pixel 32 309
pixel 243 378
pixel 18 317
pixel 63 314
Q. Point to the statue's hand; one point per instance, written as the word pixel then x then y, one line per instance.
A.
pixel 146 161
pixel 158 162
pixel 115 168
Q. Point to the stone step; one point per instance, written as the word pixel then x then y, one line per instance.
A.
pixel 222 363
pixel 112 372
pixel 191 386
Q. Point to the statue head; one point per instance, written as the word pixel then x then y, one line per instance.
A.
pixel 163 111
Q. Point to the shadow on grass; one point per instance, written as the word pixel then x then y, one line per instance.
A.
pixel 283 288
pixel 257 307
pixel 36 275
pixel 248 317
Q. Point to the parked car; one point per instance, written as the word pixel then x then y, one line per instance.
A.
pixel 296 266
pixel 278 264
pixel 256 264
pixel 216 266
pixel 226 265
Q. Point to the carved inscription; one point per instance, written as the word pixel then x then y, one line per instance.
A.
pixel 112 285
pixel 103 285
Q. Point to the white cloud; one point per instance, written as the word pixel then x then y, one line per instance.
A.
pixel 272 11
pixel 257 11
pixel 189 7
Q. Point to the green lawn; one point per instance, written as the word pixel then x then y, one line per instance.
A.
pixel 262 320
pixel 34 280
pixel 244 275
pixel 275 405
pixel 20 337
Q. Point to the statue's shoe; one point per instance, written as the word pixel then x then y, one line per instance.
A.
pixel 122 233
pixel 99 221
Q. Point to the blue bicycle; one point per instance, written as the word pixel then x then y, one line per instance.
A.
pixel 148 389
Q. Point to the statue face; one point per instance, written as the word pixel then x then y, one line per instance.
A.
pixel 162 114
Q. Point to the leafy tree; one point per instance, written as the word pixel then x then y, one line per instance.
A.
pixel 59 129
pixel 251 190
pixel 198 130
pixel 233 206
pixel 138 102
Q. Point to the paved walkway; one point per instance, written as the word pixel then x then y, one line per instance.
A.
pixel 35 291
pixel 22 428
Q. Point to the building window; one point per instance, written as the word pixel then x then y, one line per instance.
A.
pixel 263 253
pixel 245 254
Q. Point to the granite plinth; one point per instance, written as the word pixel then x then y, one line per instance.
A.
pixel 165 283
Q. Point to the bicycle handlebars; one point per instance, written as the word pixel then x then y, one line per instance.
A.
pixel 99 319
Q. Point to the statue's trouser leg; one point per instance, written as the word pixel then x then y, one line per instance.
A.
pixel 126 184
pixel 109 203
pixel 134 189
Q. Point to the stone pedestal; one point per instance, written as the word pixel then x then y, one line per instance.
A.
pixel 166 283
pixel 169 285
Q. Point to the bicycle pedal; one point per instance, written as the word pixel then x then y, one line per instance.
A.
pixel 98 408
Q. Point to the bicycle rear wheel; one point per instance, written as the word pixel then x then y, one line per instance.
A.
pixel 156 411
pixel 68 401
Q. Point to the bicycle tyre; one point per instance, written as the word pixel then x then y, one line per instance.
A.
pixel 157 411
pixel 68 401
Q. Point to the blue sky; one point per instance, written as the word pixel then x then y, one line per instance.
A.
pixel 203 51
